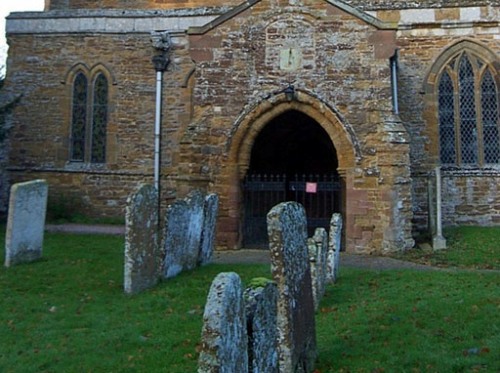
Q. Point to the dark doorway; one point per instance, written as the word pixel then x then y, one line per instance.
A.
pixel 293 159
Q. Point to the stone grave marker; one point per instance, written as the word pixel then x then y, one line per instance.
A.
pixel 142 251
pixel 260 305
pixel 318 250
pixel 182 235
pixel 211 207
pixel 334 246
pixel 26 222
pixel 287 230
pixel 224 333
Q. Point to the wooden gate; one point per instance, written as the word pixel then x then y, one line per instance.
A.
pixel 319 194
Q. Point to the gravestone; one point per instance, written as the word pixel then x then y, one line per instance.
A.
pixel 224 334
pixel 142 251
pixel 210 210
pixel 260 305
pixel 182 235
pixel 26 222
pixel 287 230
pixel 334 246
pixel 318 250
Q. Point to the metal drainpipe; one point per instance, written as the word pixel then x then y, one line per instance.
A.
pixel 160 63
pixel 394 81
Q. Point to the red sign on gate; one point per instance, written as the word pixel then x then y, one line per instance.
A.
pixel 311 187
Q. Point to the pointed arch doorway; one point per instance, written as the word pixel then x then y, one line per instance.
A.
pixel 292 159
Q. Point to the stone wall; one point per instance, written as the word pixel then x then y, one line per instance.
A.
pixel 225 83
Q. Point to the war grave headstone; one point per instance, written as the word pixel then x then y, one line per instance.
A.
pixel 211 207
pixel 224 337
pixel 26 222
pixel 260 304
pixel 142 251
pixel 334 247
pixel 287 230
pixel 318 250
pixel 182 235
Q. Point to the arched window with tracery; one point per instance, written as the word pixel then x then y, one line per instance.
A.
pixel 468 112
pixel 99 119
pixel 89 117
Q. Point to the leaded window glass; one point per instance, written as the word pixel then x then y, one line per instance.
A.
pixel 99 119
pixel 468 112
pixel 79 118
pixel 89 119
pixel 468 130
pixel 446 120
pixel 489 111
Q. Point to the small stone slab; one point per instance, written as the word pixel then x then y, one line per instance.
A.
pixel 224 334
pixel 260 304
pixel 210 210
pixel 26 222
pixel 334 246
pixel 142 251
pixel 182 236
pixel 287 230
pixel 318 250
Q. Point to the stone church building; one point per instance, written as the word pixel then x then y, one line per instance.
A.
pixel 345 106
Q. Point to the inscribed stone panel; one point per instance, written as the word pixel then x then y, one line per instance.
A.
pixel 142 251
pixel 334 246
pixel 260 305
pixel 210 210
pixel 287 229
pixel 182 236
pixel 318 250
pixel 26 222
pixel 224 334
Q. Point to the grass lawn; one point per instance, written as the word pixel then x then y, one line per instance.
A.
pixel 68 313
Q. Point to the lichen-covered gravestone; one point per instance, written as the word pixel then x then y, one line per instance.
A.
pixel 182 235
pixel 260 304
pixel 287 229
pixel 334 246
pixel 210 210
pixel 318 250
pixel 26 222
pixel 224 334
pixel 142 251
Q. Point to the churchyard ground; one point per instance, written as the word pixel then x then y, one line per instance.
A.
pixel 67 312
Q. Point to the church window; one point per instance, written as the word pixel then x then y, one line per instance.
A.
pixel 89 119
pixel 468 113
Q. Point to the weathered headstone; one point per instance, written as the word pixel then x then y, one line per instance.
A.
pixel 210 210
pixel 287 230
pixel 318 250
pixel 334 246
pixel 182 235
pixel 142 250
pixel 260 305
pixel 224 334
pixel 26 222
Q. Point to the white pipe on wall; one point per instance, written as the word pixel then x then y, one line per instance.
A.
pixel 159 76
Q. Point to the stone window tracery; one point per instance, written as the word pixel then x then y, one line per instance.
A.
pixel 468 112
pixel 89 118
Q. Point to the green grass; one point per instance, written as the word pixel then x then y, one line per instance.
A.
pixel 68 313
pixel 467 247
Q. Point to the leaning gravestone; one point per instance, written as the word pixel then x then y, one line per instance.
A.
pixel 287 229
pixel 210 210
pixel 26 222
pixel 224 334
pixel 335 241
pixel 142 253
pixel 318 250
pixel 182 235
pixel 260 305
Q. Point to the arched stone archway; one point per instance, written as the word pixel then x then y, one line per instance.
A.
pixel 245 133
